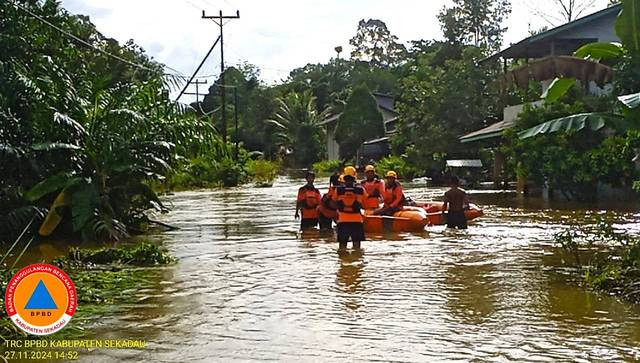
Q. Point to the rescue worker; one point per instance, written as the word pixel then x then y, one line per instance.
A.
pixel 374 188
pixel 393 195
pixel 308 201
pixel 456 201
pixel 350 199
pixel 327 210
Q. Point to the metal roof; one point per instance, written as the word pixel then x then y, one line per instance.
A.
pixel 491 131
pixel 471 163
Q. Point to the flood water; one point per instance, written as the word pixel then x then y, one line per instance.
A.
pixel 248 287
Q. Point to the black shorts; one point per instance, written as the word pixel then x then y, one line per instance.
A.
pixel 456 219
pixel 308 223
pixel 325 222
pixel 353 230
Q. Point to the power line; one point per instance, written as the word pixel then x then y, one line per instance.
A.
pixel 79 40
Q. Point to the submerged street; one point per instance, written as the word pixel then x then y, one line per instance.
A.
pixel 248 286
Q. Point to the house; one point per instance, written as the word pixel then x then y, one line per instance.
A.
pixel 546 56
pixel 372 149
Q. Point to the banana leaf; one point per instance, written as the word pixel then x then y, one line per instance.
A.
pixel 631 101
pixel 51 146
pixel 628 26
pixel 592 121
pixel 600 51
pixel 558 88
pixel 50 185
pixel 54 217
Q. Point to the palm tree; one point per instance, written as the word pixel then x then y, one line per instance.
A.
pixel 299 132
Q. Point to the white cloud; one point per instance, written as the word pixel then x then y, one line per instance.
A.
pixel 276 35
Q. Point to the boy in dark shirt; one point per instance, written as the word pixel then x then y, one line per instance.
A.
pixel 455 201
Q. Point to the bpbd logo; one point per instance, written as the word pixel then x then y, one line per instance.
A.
pixel 40 299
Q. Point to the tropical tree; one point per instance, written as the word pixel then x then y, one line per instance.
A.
pixel 299 133
pixel 361 120
pixel 85 127
pixel 375 44
pixel 477 22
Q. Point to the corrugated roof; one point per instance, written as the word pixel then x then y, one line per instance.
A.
pixel 491 131
pixel 470 163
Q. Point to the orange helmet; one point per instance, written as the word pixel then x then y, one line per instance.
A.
pixel 350 170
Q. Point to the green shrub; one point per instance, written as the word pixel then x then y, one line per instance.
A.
pixel 144 254
pixel 263 172
pixel 328 166
pixel 203 172
pixel 397 164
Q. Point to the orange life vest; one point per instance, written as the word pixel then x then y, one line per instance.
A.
pixel 393 196
pixel 373 199
pixel 327 205
pixel 350 201
pixel 308 200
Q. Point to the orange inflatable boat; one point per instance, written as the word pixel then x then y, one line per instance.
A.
pixel 434 210
pixel 410 219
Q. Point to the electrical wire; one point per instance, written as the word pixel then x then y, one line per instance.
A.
pixel 81 41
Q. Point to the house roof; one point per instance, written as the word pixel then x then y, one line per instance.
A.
pixel 469 163
pixel 531 48
pixel 384 101
pixel 491 131
pixel 377 141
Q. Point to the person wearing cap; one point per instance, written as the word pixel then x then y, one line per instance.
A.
pixel 374 187
pixel 350 199
pixel 393 195
pixel 307 201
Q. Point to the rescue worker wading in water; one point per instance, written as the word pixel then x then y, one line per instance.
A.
pixel 308 201
pixel 327 211
pixel 374 188
pixel 393 196
pixel 350 199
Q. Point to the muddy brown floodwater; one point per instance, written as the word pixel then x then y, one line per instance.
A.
pixel 248 287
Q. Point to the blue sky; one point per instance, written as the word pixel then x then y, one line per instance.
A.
pixel 275 35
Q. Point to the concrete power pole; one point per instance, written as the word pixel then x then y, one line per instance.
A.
pixel 218 19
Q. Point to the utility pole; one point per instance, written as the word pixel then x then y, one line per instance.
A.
pixel 235 111
pixel 218 19
pixel 197 94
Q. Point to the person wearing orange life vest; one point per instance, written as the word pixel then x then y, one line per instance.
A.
pixel 307 202
pixel 350 199
pixel 327 210
pixel 393 196
pixel 374 187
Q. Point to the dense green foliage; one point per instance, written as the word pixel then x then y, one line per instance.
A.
pixel 398 164
pixel 328 166
pixel 143 254
pixel 298 132
pixel 478 22
pixel 574 159
pixel 608 258
pixel 572 162
pixel 82 134
pixel 440 101
pixel 361 120
pixel 263 172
